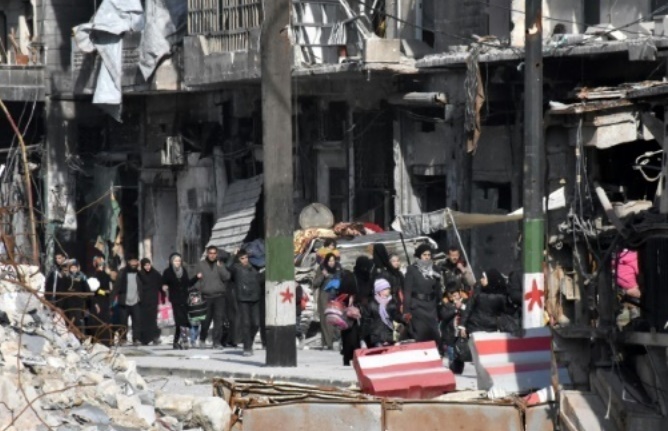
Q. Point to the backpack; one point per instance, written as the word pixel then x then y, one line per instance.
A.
pixel 335 314
pixel 196 305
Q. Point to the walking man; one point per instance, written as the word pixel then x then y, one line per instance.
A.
pixel 213 276
pixel 249 294
pixel 127 293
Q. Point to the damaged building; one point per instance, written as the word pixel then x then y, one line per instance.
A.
pixel 398 107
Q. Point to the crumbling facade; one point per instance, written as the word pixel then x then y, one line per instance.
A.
pixel 399 107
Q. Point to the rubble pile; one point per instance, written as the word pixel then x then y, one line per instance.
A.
pixel 50 380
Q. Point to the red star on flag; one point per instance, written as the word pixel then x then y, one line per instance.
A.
pixel 534 297
pixel 287 295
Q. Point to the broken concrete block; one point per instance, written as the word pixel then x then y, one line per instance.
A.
pixel 57 398
pixel 127 404
pixel 211 413
pixel 119 363
pixel 132 378
pixel 146 413
pixel 91 378
pixel 90 414
pixel 166 423
pixel 72 358
pixel 378 50
pixel 179 406
pixel 147 397
pixel 55 362
pixel 98 352
pixel 107 391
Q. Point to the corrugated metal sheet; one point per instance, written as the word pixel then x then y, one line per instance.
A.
pixel 239 211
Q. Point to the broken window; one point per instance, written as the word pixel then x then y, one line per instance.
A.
pixel 630 171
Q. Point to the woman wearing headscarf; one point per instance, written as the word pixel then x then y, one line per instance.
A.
pixel 380 314
pixel 363 272
pixel 327 282
pixel 175 279
pixel 488 304
pixel 422 297
pixel 149 282
pixel 387 266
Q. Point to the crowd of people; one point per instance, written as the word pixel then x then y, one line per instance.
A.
pixel 222 299
pixel 379 304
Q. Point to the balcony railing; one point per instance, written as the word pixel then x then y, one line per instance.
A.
pixel 227 24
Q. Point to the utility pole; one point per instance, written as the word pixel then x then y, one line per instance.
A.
pixel 534 149
pixel 276 68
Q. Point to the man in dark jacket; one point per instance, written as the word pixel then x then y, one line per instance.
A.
pixel 55 281
pixel 455 268
pixel 248 294
pixel 213 276
pixel 128 296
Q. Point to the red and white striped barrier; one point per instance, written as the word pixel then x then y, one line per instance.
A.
pixel 542 396
pixel 406 371
pixel 513 364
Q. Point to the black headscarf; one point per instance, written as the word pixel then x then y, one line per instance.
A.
pixel 496 281
pixel 362 271
pixel 348 283
pixel 381 260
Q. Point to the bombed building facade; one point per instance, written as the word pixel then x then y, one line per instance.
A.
pixel 399 107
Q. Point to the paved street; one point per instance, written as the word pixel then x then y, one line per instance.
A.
pixel 314 366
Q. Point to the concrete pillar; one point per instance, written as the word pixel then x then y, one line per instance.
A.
pixel 58 179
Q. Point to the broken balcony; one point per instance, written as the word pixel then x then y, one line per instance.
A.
pixel 223 41
pixel 21 54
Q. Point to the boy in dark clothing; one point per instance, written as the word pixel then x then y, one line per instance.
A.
pixel 452 308
pixel 249 294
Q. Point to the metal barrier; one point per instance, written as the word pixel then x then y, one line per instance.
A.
pixel 261 405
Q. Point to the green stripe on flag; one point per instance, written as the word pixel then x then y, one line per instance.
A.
pixel 533 245
pixel 280 259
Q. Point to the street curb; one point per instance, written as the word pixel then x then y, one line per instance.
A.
pixel 189 373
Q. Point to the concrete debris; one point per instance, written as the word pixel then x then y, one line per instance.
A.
pixel 212 413
pixel 49 379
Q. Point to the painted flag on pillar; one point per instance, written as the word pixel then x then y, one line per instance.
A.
pixel 533 302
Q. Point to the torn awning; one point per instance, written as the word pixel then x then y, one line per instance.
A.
pixel 427 223
pixel 238 213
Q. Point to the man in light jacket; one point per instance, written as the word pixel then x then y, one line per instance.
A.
pixel 214 277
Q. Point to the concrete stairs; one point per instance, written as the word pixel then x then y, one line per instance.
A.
pixel 584 411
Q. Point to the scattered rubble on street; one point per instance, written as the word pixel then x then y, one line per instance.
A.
pixel 49 379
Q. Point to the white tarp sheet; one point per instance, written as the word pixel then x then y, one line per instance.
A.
pixel 427 223
pixel 164 21
pixel 104 34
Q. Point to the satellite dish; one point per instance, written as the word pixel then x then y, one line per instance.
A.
pixel 316 215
